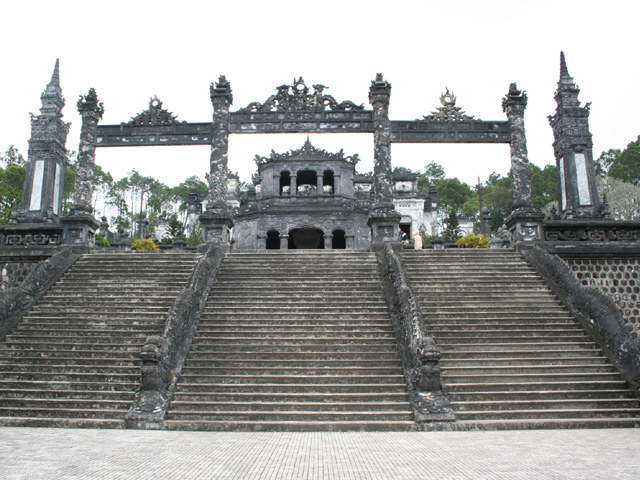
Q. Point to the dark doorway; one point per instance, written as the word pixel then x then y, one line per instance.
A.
pixel 406 228
pixel 327 182
pixel 338 242
pixel 285 181
pixel 273 240
pixel 306 239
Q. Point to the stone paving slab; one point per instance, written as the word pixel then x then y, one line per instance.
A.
pixel 49 453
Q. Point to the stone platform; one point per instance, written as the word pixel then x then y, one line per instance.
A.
pixel 50 453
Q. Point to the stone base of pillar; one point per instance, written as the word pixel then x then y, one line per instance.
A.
pixel 524 225
pixel 284 242
pixel 384 228
pixel 79 230
pixel 216 226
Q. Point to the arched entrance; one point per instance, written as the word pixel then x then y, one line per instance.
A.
pixel 338 242
pixel 306 239
pixel 273 240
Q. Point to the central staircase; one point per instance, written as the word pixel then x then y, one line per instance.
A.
pixel 512 355
pixel 297 341
pixel 73 360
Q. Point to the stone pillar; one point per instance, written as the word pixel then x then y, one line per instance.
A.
pixel 485 222
pixel 383 219
pixel 44 181
pixel 217 219
pixel 80 224
pixel 328 241
pixel 319 184
pixel 337 179
pixel 294 185
pixel 524 220
pixel 577 188
pixel 284 242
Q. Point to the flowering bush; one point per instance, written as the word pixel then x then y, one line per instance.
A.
pixel 143 244
pixel 473 241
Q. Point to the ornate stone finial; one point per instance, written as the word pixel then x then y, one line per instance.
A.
pixel 55 77
pixel 52 99
pixel 89 105
pixel 221 90
pixel 380 90
pixel 606 211
pixel 515 97
pixel 564 71
pixel 448 112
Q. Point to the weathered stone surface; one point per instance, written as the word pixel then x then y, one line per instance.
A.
pixel 578 195
pixel 419 353
pixel 221 99
pixel 42 196
pixel 91 111
pixel 16 301
pixel 163 356
pixel 596 312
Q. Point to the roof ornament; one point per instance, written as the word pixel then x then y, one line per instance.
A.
pixel 448 112
pixel 297 97
pixel 308 152
pixel 154 115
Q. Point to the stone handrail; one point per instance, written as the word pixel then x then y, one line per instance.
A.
pixel 419 353
pixel 17 301
pixel 597 313
pixel 163 356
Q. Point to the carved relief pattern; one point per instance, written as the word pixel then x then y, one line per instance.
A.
pixel 514 105
pixel 91 111
pixel 308 151
pixel 448 112
pixel 611 234
pixel 155 115
pixel 379 94
pixel 16 239
pixel 296 97
pixel 221 99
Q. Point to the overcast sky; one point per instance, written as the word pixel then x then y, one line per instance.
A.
pixel 130 51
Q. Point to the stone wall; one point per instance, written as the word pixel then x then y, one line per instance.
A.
pixel 12 274
pixel 618 278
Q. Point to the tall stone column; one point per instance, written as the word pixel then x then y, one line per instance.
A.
pixel 91 111
pixel 383 219
pixel 524 221
pixel 80 225
pixel 577 188
pixel 217 218
pixel 42 194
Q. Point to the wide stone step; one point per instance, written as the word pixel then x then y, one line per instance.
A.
pixel 454 348
pixel 73 324
pixel 49 351
pixel 292 388
pixel 251 325
pixel 294 363
pixel 353 357
pixel 290 426
pixel 479 340
pixel 24 358
pixel 547 404
pixel 19 404
pixel 524 384
pixel 93 338
pixel 515 361
pixel 527 369
pixel 126 397
pixel 288 371
pixel 59 376
pixel 276 347
pixel 277 343
pixel 207 408
pixel 107 369
pixel 539 395
pixel 552 423
pixel 87 330
pixel 213 309
pixel 257 379
pixel 451 379
pixel 289 415
pixel 96 348
pixel 451 325
pixel 480 334
pixel 275 398
pixel 547 353
pixel 347 335
pixel 333 330
pixel 586 413
pixel 106 413
pixel 344 316
pixel 64 385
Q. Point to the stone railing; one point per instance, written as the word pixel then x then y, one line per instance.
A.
pixel 163 356
pixel 17 300
pixel 419 353
pixel 594 310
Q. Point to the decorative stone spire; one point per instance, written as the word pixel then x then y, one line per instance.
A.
pixel 42 196
pixel 578 195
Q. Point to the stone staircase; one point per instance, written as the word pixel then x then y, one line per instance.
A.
pixel 512 355
pixel 73 361
pixel 297 340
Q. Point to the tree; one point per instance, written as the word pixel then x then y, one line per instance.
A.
pixel 498 198
pixel 623 198
pixel 544 185
pixel 452 193
pixel 452 233
pixel 623 165
pixel 12 175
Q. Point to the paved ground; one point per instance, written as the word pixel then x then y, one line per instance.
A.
pixel 41 453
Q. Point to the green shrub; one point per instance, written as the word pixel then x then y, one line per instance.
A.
pixel 144 244
pixel 101 241
pixel 473 241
